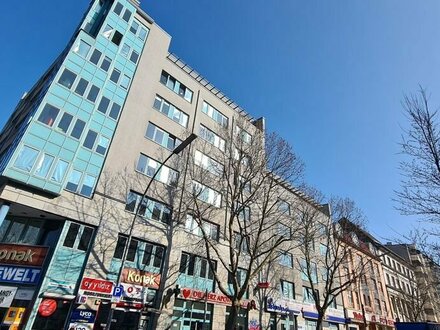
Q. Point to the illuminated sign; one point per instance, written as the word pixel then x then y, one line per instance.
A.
pixel 25 255
pixel 142 278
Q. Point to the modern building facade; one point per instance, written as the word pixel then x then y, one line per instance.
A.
pixel 76 155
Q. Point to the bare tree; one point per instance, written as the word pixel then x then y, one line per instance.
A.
pixel 325 255
pixel 239 181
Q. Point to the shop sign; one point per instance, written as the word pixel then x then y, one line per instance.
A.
pixel 140 277
pixel 93 287
pixel 282 306
pixel 23 275
pixel 14 316
pixel 132 292
pixel 335 315
pixel 356 316
pixel 83 316
pixel 24 294
pixel 61 287
pixel 211 297
pixel 7 294
pixel 47 307
pixel 25 255
pixel 81 326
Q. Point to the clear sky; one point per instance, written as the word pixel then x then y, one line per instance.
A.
pixel 329 76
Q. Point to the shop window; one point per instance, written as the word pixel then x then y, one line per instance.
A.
pixel 48 115
pixel 192 315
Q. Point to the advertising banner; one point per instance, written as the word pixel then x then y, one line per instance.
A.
pixel 24 255
pixel 142 278
pixel 93 287
pixel 22 275
pixel 7 294
pixel 211 297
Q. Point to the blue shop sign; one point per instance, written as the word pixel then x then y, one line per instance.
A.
pixel 16 274
pixel 83 316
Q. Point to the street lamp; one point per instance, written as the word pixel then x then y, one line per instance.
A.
pixel 175 151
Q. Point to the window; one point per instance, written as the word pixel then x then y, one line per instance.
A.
pixel 125 81
pixel 283 207
pixel 81 86
pixel 59 171
pixel 102 145
pixel 67 78
pixel 322 249
pixel 26 158
pixel 115 76
pixel 162 137
pixel 313 271
pixel 118 8
pixel 241 242
pixel 81 48
pixel 64 123
pixel 149 166
pixel 308 294
pixel 48 115
pixel 96 56
pixel 120 246
pixel 132 248
pixel 211 229
pixel 149 208
pixel 117 37
pixel 286 259
pixel 287 289
pixel 215 114
pixel 195 266
pixel 243 212
pixel 78 129
pixel 43 165
pixel 87 186
pixel 212 138
pixel 105 65
pixel 90 139
pixel 69 240
pixel 93 93
pixel 107 32
pixel 143 32
pixel 208 163
pixel 78 237
pixel 84 241
pixel 310 324
pixel 206 194
pixel 134 27
pixel 170 111
pixel 73 181
pixel 114 111
pixel 176 86
pixel 127 15
pixel 244 136
pixel 103 105
pixel 134 56
pixel 153 255
pixel 125 50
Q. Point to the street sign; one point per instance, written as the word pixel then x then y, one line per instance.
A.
pixel 118 290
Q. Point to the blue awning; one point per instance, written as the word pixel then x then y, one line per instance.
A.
pixel 310 315
pixel 336 319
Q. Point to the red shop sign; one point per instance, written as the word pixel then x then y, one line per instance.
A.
pixel 47 307
pixel 212 297
pixel 95 285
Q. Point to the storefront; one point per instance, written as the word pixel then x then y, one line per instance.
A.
pixel 283 313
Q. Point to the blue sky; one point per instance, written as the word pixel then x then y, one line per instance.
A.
pixel 327 75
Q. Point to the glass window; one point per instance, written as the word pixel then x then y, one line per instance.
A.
pixel 105 65
pixel 87 186
pixel 107 32
pixel 176 86
pixel 115 76
pixel 125 81
pixel 69 240
pixel 160 136
pixel 287 289
pixel 67 78
pixel 48 115
pixel 212 138
pixel 117 37
pixel 65 121
pixel 78 129
pixel 43 165
pixel 125 50
pixel 143 33
pixel 215 114
pixel 170 111
pixel 120 245
pixel 127 15
pixel 134 27
pixel 103 105
pixel 131 253
pixel 82 48
pixel 134 56
pixel 73 181
pixel 59 171
pixel 93 93
pixel 118 8
pixel 26 158
pixel 206 194
pixel 114 111
pixel 90 139
pixel 81 87
pixel 96 56
pixel 286 259
pixel 84 241
pixel 102 145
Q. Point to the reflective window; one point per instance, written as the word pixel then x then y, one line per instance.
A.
pixel 59 171
pixel 90 139
pixel 78 129
pixel 65 121
pixel 43 165
pixel 125 81
pixel 48 115
pixel 105 65
pixel 81 86
pixel 103 105
pixel 96 56
pixel 82 48
pixel 114 111
pixel 26 158
pixel 67 78
pixel 93 93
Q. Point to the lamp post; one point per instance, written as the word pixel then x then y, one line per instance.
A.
pixel 175 151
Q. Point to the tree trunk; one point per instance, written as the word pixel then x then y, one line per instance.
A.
pixel 231 321
pixel 319 322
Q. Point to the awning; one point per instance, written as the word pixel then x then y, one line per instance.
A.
pixel 310 315
pixel 336 319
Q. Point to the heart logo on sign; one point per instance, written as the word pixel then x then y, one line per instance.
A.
pixel 186 293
